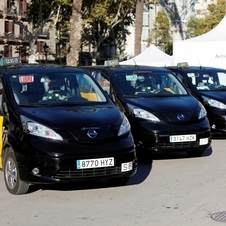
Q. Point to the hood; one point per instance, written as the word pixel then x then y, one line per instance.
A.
pixel 179 110
pixel 83 123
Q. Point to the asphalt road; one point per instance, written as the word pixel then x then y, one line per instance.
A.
pixel 171 190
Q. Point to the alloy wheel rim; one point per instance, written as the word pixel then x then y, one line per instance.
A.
pixel 11 173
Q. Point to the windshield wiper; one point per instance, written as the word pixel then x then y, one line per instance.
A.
pixel 65 103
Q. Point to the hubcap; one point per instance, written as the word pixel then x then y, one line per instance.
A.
pixel 11 173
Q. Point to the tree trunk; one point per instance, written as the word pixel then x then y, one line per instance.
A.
pixel 75 33
pixel 32 52
pixel 138 26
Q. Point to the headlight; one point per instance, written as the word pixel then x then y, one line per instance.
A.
pixel 214 103
pixel 37 129
pixel 125 126
pixel 140 113
pixel 202 113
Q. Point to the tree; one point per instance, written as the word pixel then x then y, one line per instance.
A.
pixel 40 13
pixel 105 25
pixel 138 26
pixel 75 33
pixel 198 26
pixel 160 36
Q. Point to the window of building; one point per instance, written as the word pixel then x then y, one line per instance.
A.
pixel 7 51
pixel 146 20
pixel 145 34
pixel 9 29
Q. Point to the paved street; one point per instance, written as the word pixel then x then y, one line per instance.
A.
pixel 170 190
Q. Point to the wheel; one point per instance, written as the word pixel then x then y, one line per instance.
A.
pixel 11 175
pixel 118 181
pixel 197 153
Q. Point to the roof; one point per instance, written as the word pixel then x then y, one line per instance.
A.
pixel 151 56
pixel 195 68
pixel 124 67
pixel 37 67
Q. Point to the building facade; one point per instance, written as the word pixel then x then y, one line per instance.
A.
pixel 14 39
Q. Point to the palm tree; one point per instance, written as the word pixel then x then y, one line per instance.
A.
pixel 138 26
pixel 75 33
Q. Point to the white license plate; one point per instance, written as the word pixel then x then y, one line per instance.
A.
pixel 183 138
pixel 126 166
pixel 95 163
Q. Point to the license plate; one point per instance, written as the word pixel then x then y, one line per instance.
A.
pixel 203 141
pixel 126 166
pixel 183 138
pixel 95 163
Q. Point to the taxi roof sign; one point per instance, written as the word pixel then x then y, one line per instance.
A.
pixel 108 63
pixel 182 65
pixel 9 61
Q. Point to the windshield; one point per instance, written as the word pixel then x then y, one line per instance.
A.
pixel 208 81
pixel 55 88
pixel 149 83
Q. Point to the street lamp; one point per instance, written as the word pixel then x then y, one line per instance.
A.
pixel 46 47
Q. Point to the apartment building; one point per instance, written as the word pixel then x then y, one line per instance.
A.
pixel 14 40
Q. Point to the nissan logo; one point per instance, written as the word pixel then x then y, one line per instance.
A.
pixel 180 117
pixel 92 133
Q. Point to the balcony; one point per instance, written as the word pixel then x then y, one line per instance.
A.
pixel 13 38
pixel 12 12
pixel 44 34
pixel 9 12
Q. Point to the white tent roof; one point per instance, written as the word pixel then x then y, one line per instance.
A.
pixel 152 56
pixel 208 49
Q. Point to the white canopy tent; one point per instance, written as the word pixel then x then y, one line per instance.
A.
pixel 152 56
pixel 208 49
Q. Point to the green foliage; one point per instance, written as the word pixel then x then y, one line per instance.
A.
pixel 160 36
pixel 103 19
pixel 40 12
pixel 198 26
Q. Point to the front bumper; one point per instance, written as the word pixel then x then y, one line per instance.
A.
pixel 217 119
pixel 47 161
pixel 157 137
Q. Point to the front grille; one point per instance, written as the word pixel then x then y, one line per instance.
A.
pixel 178 145
pixel 87 173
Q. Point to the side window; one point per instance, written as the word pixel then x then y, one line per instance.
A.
pixel 101 79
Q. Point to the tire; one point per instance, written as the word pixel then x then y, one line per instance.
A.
pixel 11 175
pixel 120 181
pixel 197 153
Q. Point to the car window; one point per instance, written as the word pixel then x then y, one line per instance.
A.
pixel 208 81
pixel 146 83
pixel 54 88
pixel 102 80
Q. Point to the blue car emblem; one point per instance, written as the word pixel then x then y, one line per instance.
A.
pixel 180 117
pixel 92 133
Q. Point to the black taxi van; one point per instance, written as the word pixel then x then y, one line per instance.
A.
pixel 163 115
pixel 58 125
pixel 208 85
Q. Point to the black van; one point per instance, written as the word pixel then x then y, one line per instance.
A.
pixel 164 116
pixel 58 125
pixel 208 85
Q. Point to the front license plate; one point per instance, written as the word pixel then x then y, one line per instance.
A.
pixel 95 163
pixel 183 138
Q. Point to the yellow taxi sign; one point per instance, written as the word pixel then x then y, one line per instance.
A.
pixel 182 65
pixel 108 63
pixel 9 61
